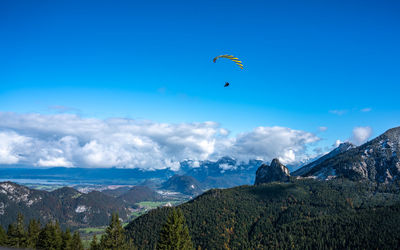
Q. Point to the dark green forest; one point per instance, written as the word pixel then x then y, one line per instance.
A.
pixel 36 236
pixel 52 237
pixel 302 214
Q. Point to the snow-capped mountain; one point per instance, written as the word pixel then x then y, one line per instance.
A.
pixel 223 173
pixel 343 147
pixel 377 160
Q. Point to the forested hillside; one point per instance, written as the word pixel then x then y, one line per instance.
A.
pixel 301 214
pixel 69 207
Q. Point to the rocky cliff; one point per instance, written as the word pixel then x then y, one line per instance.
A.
pixel 274 172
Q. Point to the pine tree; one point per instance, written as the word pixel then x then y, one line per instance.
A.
pixel 3 237
pixel 11 232
pixel 16 233
pixel 114 237
pixel 33 233
pixel 76 243
pixel 66 240
pixel 50 237
pixel 94 245
pixel 175 233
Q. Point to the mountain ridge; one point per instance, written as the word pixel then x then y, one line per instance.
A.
pixel 376 160
pixel 69 207
pixel 183 184
pixel 338 150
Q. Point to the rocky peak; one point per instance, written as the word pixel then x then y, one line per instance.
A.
pixel 11 188
pixel 19 194
pixel 227 160
pixel 345 146
pixel 275 163
pixel 392 134
pixel 274 172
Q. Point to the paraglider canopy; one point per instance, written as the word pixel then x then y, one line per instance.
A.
pixel 230 57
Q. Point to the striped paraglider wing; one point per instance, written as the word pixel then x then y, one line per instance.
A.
pixel 232 58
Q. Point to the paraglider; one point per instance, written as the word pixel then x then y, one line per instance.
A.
pixel 232 58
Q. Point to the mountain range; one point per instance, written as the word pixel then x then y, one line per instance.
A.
pixel 377 160
pixel 223 173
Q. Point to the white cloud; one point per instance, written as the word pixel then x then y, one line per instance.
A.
pixel 195 164
pixel 12 146
pixel 224 132
pixel 338 112
pixel 70 140
pixel 361 134
pixel 323 129
pixel 273 142
pixel 337 143
pixel 366 110
pixel 225 166
pixel 54 162
pixel 288 157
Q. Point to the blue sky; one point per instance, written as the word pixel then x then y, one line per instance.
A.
pixel 308 64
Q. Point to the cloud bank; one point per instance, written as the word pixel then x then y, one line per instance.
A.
pixel 73 141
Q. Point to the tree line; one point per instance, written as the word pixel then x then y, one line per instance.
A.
pixel 35 236
pixel 174 235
